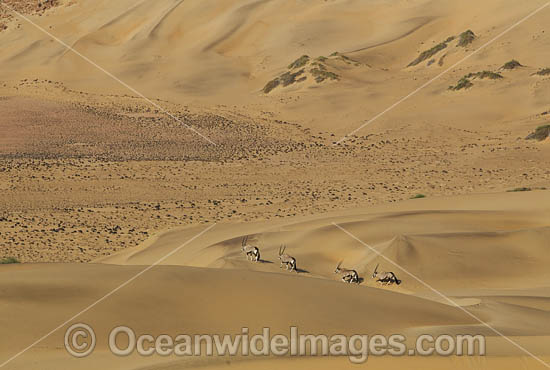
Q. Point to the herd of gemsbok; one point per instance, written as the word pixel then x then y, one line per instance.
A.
pixel 252 253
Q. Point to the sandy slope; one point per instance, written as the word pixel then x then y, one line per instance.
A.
pixel 172 300
pixel 463 231
pixel 209 61
pixel 87 170
pixel 487 252
pixel 210 52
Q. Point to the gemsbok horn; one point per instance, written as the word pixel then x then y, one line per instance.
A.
pixel 385 277
pixel 348 276
pixel 288 261
pixel 252 252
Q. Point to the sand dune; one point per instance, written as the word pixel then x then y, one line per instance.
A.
pixel 174 300
pixel 226 52
pixel 91 173
pixel 483 259
pixel 415 239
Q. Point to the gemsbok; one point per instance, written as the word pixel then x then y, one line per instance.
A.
pixel 252 252
pixel 288 261
pixel 348 276
pixel 385 277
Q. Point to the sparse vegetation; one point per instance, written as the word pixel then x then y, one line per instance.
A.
pixel 484 74
pixel 418 196
pixel 348 60
pixel 519 190
pixel 344 58
pixel 513 64
pixel 271 85
pixel 540 134
pixel 299 63
pixel 287 78
pixel 317 67
pixel 524 189
pixel 321 75
pixel 8 261
pixel 465 82
pixel 466 38
pixel 426 54
pixel 543 72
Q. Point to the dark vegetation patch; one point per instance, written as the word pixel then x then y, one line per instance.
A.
pixel 319 65
pixel 426 54
pixel 299 63
pixel 517 190
pixel 317 68
pixel 271 85
pixel 321 75
pixel 466 38
pixel 418 196
pixel 543 72
pixel 465 82
pixel 8 261
pixel 287 78
pixel 513 64
pixel 485 74
pixel 540 133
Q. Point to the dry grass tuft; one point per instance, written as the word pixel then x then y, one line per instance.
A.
pixel 541 133
pixel 513 64
pixel 466 38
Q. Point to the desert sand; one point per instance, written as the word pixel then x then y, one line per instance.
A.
pixel 98 182
pixel 208 287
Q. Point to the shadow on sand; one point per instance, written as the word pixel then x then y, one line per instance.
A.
pixel 264 261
